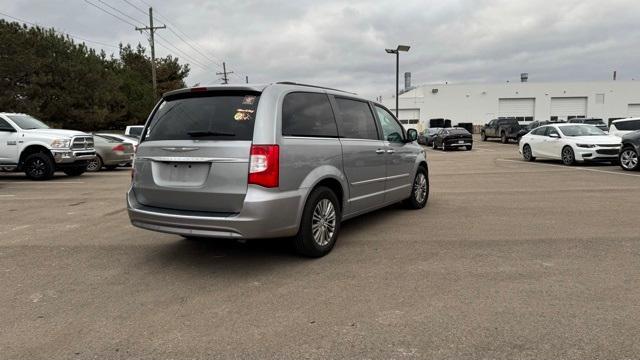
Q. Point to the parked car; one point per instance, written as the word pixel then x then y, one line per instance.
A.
pixel 123 138
pixel 570 143
pixel 503 128
pixel 530 126
pixel 453 138
pixel 426 137
pixel 110 153
pixel 599 123
pixel 27 144
pixel 134 131
pixel 624 126
pixel 629 151
pixel 278 160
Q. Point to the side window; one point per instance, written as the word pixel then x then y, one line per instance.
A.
pixel 308 114
pixel 357 119
pixel 391 130
pixel 5 125
pixel 492 123
pixel 540 131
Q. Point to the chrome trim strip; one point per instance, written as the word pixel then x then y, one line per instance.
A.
pixel 193 159
pixel 379 192
pixel 380 179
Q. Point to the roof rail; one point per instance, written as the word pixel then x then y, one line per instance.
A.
pixel 314 86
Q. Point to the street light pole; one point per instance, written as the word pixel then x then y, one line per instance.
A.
pixel 396 51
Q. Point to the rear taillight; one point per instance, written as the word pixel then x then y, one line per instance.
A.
pixel 118 147
pixel 264 166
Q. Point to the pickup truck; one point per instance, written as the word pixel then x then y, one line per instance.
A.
pixel 29 145
pixel 503 128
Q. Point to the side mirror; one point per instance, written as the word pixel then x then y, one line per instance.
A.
pixel 412 135
pixel 553 135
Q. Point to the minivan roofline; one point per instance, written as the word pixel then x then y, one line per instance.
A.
pixel 248 87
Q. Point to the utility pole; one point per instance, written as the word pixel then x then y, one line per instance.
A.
pixel 152 30
pixel 224 73
pixel 246 79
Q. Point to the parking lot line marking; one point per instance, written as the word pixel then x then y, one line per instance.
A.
pixel 42 183
pixel 6 195
pixel 568 167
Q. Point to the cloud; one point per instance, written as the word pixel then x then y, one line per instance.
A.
pixel 341 44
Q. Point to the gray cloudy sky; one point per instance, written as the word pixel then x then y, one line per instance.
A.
pixel 341 43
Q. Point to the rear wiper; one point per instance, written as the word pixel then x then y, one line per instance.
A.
pixel 209 133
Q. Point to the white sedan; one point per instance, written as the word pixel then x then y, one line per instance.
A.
pixel 570 143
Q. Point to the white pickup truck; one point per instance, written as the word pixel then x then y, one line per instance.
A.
pixel 29 145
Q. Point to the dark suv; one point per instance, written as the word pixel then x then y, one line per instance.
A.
pixel 629 151
pixel 503 128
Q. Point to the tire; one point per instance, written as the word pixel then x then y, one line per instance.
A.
pixel 111 167
pixel 95 164
pixel 629 159
pixel 419 190
pixel 321 213
pixel 568 156
pixel 433 145
pixel 39 166
pixel 503 138
pixel 469 147
pixel 483 136
pixel 75 171
pixel 527 154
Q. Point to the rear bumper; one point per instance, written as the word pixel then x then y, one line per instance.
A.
pixel 118 159
pixel 265 214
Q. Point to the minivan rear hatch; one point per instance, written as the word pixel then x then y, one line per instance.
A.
pixel 194 153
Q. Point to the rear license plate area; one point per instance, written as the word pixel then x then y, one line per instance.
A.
pixel 180 174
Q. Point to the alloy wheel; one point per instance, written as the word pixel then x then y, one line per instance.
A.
pixel 93 165
pixel 323 224
pixel 629 159
pixel 36 168
pixel 420 188
pixel 567 156
pixel 527 152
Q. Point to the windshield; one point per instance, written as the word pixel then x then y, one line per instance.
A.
pixel 26 122
pixel 581 130
pixel 227 115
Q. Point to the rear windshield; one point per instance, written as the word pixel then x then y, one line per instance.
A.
pixel 594 122
pixel 628 125
pixel 136 130
pixel 458 131
pixel 228 115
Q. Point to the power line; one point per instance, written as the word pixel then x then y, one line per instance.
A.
pixel 121 12
pixel 224 78
pixel 110 13
pixel 59 32
pixel 135 6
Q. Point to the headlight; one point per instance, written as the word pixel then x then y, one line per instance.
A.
pixel 585 145
pixel 61 143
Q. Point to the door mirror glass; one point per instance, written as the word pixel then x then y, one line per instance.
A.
pixel 554 135
pixel 412 135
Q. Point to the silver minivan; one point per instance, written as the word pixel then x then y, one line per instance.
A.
pixel 277 160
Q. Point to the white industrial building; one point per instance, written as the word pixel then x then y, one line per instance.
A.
pixel 528 101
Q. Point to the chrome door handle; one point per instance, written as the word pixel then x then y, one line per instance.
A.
pixel 380 151
pixel 390 151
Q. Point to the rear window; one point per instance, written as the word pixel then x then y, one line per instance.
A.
pixel 594 122
pixel 308 114
pixel 631 125
pixel 458 131
pixel 228 115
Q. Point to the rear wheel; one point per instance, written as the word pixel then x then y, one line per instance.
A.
pixel 469 147
pixel 95 164
pixel 629 159
pixel 527 154
pixel 39 166
pixel 320 223
pixel 420 190
pixel 568 156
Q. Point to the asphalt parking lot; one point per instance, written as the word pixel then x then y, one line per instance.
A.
pixel 509 260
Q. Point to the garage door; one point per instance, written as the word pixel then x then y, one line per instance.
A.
pixel 634 110
pixel 564 108
pixel 521 108
pixel 410 118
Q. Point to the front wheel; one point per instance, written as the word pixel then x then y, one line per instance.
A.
pixel 469 147
pixel 568 156
pixel 320 224
pixel 503 138
pixel 39 166
pixel 483 136
pixel 420 190
pixel 629 160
